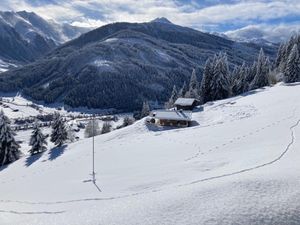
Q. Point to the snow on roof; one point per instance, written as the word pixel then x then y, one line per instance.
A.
pixel 172 115
pixel 185 101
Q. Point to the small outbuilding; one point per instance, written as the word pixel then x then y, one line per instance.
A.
pixel 178 118
pixel 186 103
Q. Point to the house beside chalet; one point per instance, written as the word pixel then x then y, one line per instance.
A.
pixel 178 118
pixel 186 103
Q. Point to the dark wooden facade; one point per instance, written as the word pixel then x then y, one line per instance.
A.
pixel 189 106
pixel 173 123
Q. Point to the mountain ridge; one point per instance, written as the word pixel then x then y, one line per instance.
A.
pixel 26 36
pixel 122 64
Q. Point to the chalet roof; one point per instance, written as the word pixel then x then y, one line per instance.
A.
pixel 172 115
pixel 185 101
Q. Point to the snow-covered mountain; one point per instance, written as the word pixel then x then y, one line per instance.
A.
pixel 257 35
pixel 161 20
pixel 238 164
pixel 121 64
pixel 25 36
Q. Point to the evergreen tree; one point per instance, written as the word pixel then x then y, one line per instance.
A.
pixel 193 91
pixel 170 103
pixel 37 140
pixel 280 55
pixel 234 75
pixel 240 84
pixel 292 70
pixel 92 129
pixel 182 91
pixel 145 110
pixel 262 72
pixel 206 82
pixel 220 86
pixel 9 148
pixel 59 132
pixel 251 73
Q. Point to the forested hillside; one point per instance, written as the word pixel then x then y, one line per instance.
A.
pixel 121 65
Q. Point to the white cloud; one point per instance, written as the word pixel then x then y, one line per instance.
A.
pixel 273 33
pixel 86 22
pixel 194 14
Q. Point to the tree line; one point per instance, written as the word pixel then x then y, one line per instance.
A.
pixel 60 134
pixel 219 82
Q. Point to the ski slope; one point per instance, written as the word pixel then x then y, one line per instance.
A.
pixel 239 164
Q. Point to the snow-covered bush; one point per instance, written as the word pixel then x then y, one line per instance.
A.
pixel 106 128
pixel 92 129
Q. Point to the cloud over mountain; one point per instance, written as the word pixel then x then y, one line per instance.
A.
pixel 215 15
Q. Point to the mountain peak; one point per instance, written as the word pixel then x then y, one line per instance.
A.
pixel 161 20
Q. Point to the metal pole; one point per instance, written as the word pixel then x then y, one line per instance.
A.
pixel 94 178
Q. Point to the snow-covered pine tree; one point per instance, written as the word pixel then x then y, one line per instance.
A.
pixel 251 74
pixel 145 109
pixel 170 103
pixel 247 70
pixel 220 87
pixel 59 133
pixel 286 51
pixel 9 148
pixel 37 140
pixel 280 55
pixel 262 71
pixel 234 75
pixel 239 82
pixel 106 128
pixel 292 70
pixel 182 91
pixel 206 82
pixel 193 91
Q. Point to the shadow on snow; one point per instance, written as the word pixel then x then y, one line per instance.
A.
pixel 54 153
pixel 32 159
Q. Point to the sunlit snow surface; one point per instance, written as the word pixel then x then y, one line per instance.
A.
pixel 239 164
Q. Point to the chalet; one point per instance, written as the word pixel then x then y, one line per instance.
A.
pixel 186 103
pixel 178 118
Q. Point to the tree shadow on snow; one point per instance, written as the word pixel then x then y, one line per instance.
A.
pixel 54 153
pixel 253 92
pixel 32 159
pixel 292 84
pixel 3 167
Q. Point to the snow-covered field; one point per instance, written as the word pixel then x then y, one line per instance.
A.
pixel 239 165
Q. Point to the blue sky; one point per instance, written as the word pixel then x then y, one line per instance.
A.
pixel 271 18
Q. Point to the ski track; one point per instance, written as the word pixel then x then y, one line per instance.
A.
pixel 157 190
